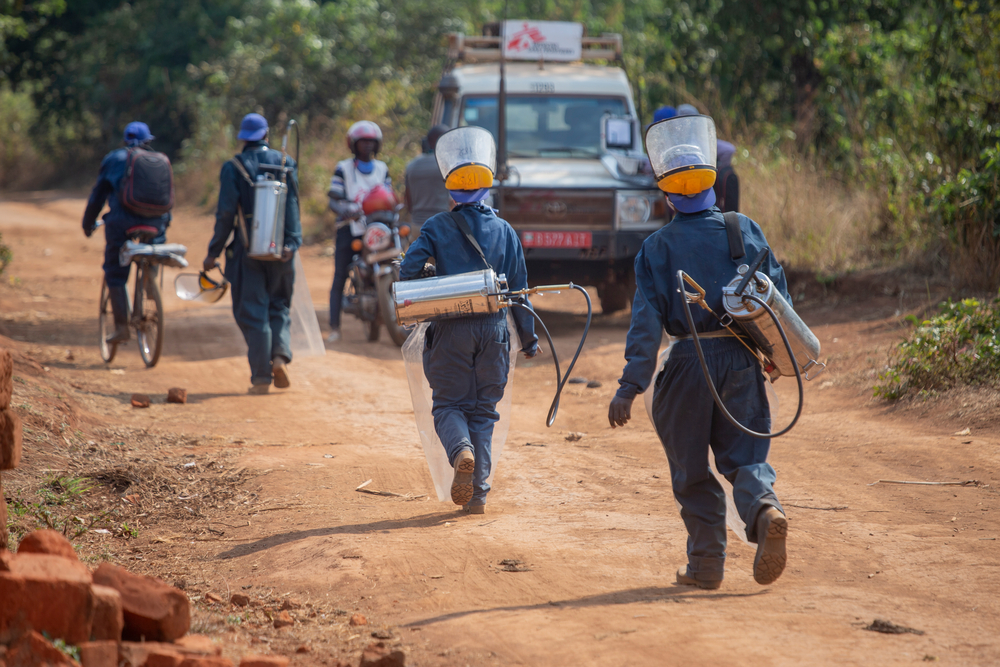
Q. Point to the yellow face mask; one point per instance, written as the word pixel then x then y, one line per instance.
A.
pixel 469 177
pixel 205 282
pixel 688 180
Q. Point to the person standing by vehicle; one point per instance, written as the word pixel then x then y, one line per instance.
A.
pixel 261 290
pixel 687 421
pixel 351 182
pixel 466 360
pixel 425 192
pixel 119 219
pixel 727 182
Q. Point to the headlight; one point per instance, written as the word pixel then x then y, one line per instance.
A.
pixel 377 237
pixel 639 210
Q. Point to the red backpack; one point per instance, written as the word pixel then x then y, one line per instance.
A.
pixel 147 189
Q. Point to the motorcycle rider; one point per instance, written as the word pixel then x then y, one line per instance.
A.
pixel 117 221
pixel 687 421
pixel 353 179
pixel 425 192
pixel 466 360
pixel 261 290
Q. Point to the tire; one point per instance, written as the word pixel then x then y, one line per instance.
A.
pixel 106 324
pixel 618 294
pixel 387 308
pixel 147 316
pixel 370 321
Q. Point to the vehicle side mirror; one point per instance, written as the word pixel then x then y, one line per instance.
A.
pixel 618 132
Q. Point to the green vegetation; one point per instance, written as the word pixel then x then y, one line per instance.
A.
pixel 895 102
pixel 58 504
pixel 959 346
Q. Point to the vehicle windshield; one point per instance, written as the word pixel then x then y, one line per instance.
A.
pixel 549 126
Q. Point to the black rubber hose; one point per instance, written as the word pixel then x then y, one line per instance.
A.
pixel 561 379
pixel 708 377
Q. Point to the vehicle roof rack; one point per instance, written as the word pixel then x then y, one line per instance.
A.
pixel 464 48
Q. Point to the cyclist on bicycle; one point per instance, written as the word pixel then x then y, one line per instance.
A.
pixel 117 221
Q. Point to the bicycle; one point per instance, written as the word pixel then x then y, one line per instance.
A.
pixel 146 307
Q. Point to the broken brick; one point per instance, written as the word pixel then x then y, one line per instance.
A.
pixel 177 395
pixel 153 609
pixel 32 650
pixel 359 619
pixel 10 439
pixel 263 661
pixel 283 620
pixel 109 614
pixel 47 541
pixel 140 401
pixel 380 655
pixel 239 599
pixel 99 654
pixel 47 594
pixel 6 378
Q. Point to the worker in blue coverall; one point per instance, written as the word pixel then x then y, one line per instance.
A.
pixel 466 360
pixel 261 289
pixel 117 221
pixel 684 413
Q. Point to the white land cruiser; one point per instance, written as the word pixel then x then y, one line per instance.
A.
pixel 579 191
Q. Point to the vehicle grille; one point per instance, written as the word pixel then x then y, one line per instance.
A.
pixel 559 209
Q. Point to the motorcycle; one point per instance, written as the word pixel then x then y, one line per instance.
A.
pixel 375 267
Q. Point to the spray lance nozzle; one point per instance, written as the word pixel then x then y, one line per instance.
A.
pixel 750 272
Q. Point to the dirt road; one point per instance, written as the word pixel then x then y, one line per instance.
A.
pixel 592 521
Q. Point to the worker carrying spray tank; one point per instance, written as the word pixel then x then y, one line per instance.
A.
pixel 466 360
pixel 683 155
pixel 261 289
pixel 353 179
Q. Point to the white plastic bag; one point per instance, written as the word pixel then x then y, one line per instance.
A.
pixel 306 340
pixel 420 393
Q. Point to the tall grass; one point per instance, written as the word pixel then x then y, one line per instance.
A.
pixel 812 221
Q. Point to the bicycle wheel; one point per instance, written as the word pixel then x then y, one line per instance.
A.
pixel 106 325
pixel 148 316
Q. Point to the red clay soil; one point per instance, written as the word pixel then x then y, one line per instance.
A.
pixel 592 521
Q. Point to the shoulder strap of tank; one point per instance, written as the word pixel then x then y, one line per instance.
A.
pixel 464 226
pixel 241 168
pixel 240 217
pixel 736 248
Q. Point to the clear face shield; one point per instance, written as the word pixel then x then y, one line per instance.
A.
pixel 682 151
pixel 467 158
pixel 199 287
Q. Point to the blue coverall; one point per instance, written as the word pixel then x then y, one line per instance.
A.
pixel 118 219
pixel 686 418
pixel 261 290
pixel 466 360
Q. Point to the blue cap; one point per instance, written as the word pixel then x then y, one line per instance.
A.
pixel 664 113
pixel 687 110
pixel 137 133
pixel 253 127
pixel 702 201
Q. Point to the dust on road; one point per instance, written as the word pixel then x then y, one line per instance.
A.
pixel 574 562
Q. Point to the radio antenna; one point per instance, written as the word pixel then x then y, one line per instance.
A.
pixel 502 171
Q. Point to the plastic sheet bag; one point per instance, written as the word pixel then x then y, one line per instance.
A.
pixel 420 393
pixel 733 520
pixel 306 339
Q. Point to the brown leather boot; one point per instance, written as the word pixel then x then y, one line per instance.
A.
pixel 461 485
pixel 772 529
pixel 685 579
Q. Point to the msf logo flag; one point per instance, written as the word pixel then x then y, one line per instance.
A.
pixel 542 40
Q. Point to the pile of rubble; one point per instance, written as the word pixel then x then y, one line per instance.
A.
pixel 113 617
